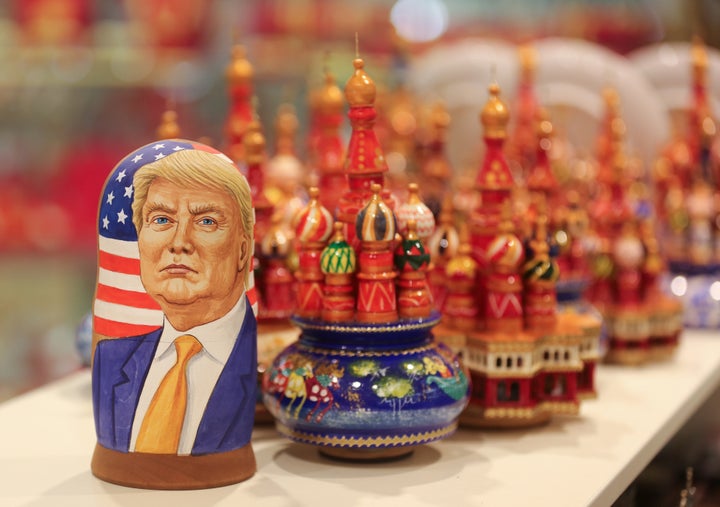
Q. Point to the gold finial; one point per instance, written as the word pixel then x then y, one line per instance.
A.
pixel 338 231
pixel 375 188
pixel 495 115
pixel 240 70
pixel 286 126
pixel 526 55
pixel 360 89
pixel 254 143
pixel 539 243
pixel 314 193
pixel 169 128
pixel 411 230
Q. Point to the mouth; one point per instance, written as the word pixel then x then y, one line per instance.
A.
pixel 177 269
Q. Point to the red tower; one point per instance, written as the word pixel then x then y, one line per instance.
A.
pixel 239 74
pixel 365 163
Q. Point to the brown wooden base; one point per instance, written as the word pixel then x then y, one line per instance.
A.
pixel 168 471
pixel 366 454
pixel 473 417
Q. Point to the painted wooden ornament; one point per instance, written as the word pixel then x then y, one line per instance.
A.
pixel 174 362
pixel 366 381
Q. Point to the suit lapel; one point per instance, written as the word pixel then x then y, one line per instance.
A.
pixel 127 392
pixel 228 418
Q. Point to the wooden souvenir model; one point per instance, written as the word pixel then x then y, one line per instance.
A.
pixel 688 203
pixel 435 169
pixel 642 324
pixel 365 380
pixel 174 368
pixel 328 151
pixel 501 309
pixel 285 171
pixel 239 74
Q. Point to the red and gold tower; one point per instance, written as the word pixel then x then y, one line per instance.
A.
pixel 365 163
pixel 239 74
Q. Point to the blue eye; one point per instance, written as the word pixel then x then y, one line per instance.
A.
pixel 207 221
pixel 161 220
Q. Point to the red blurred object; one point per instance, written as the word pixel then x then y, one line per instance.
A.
pixel 168 24
pixel 53 22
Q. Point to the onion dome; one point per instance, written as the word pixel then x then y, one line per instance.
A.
pixel 286 127
pixel 410 254
pixel 360 89
pixel 313 223
pixel 254 143
pixel 330 98
pixel 338 257
pixel 415 209
pixel 505 252
pixel 540 266
pixel 628 251
pixel 462 265
pixel 445 241
pixel 376 221
pixel 239 70
pixel 169 128
pixel 495 115
pixel 276 243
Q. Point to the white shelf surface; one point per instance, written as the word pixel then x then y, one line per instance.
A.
pixel 47 437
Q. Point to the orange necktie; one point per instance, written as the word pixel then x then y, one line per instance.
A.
pixel 163 422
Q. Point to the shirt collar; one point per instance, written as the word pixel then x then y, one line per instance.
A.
pixel 217 337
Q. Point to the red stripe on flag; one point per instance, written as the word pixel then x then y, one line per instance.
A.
pixel 118 263
pixel 117 329
pixel 126 297
pixel 252 295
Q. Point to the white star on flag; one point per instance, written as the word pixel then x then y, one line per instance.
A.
pixel 122 216
pixel 110 198
pixel 137 158
pixel 128 191
pixel 178 148
pixel 159 156
pixel 158 146
pixel 106 222
pixel 120 175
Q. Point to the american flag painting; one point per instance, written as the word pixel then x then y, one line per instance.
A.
pixel 122 307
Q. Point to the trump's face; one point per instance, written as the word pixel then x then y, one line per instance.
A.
pixel 192 251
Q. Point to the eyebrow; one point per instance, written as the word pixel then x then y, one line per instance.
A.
pixel 158 206
pixel 199 209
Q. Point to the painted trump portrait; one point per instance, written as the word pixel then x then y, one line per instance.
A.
pixel 174 363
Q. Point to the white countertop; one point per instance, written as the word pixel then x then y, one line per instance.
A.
pixel 47 438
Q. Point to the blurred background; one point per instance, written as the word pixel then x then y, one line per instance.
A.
pixel 84 82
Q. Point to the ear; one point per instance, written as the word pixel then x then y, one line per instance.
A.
pixel 244 254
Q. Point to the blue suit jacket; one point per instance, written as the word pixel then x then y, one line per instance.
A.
pixel 121 365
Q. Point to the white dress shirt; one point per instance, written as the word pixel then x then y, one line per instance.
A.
pixel 203 370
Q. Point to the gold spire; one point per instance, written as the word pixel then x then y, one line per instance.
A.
pixel 360 89
pixel 526 55
pixel 699 60
pixel 169 128
pixel 495 115
pixel 239 70
pixel 254 142
pixel 286 127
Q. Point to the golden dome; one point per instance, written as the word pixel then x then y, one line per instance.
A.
pixel 254 142
pixel 240 70
pixel 360 89
pixel 286 121
pixel 330 99
pixel 168 129
pixel 495 115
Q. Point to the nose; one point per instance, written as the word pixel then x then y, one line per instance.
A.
pixel 181 241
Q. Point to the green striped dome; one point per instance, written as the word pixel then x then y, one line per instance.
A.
pixel 338 258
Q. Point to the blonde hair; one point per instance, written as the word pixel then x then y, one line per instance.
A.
pixel 196 168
